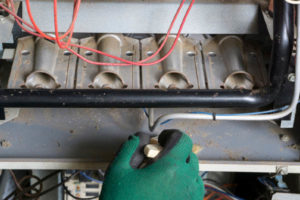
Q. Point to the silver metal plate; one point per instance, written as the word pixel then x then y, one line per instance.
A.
pixel 150 16
pixel 284 196
pixel 289 121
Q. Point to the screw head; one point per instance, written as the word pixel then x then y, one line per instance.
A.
pixel 152 150
pixel 282 170
pixel 291 77
pixel 284 138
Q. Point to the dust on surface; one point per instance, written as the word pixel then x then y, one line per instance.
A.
pixel 212 143
pixel 204 134
pixel 294 146
pixel 232 154
pixel 5 143
pixel 275 130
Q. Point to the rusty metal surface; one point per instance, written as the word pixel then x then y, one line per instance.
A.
pixel 25 64
pixel 185 60
pixel 128 48
pixel 96 134
pixel 215 63
pixel 197 62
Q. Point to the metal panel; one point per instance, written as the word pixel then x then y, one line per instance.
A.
pixel 284 196
pixel 139 16
pixel 204 165
pixel 96 134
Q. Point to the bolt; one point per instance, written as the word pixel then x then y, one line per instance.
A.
pixel 284 138
pixel 152 150
pixel 291 77
pixel 282 170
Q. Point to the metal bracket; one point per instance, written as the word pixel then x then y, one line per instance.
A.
pixel 8 114
pixel 289 123
pixel 6 27
pixel 282 170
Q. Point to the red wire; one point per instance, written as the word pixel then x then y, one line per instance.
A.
pixel 100 52
pixel 75 14
pixel 7 3
pixel 150 57
pixel 115 57
pixel 36 28
pixel 18 19
pixel 123 60
pixel 134 63
pixel 103 53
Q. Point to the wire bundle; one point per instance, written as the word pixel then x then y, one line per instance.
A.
pixel 221 191
pixel 26 192
pixel 35 30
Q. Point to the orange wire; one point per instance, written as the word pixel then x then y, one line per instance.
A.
pixel 75 14
pixel 37 29
pixel 105 54
pixel 76 8
pixel 133 63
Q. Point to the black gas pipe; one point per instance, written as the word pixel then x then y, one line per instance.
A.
pixel 103 98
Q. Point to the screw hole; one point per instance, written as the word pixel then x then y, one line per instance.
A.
pixel 67 53
pixel 25 52
pixel 191 53
pixel 222 86
pixel 150 53
pixel 88 53
pixel 129 53
pixel 212 54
